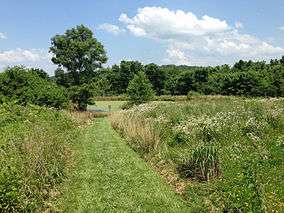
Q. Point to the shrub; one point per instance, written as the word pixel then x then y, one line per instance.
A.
pixel 29 86
pixel 140 89
pixel 81 96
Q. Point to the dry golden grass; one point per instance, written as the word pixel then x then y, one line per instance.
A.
pixel 140 131
pixel 85 118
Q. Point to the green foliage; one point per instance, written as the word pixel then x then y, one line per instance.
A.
pixel 81 96
pixel 120 75
pixel 22 85
pixel 179 138
pixel 101 87
pixel 245 78
pixel 140 89
pixel 35 154
pixel 156 76
pixel 62 78
pixel 79 52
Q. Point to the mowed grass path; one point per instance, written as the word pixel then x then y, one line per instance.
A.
pixel 110 177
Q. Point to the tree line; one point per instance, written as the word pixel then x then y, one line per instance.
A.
pixel 80 76
pixel 245 78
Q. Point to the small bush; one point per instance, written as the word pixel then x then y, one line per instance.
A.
pixel 81 96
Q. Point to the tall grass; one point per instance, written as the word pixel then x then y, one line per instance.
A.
pixel 35 155
pixel 227 150
pixel 202 164
pixel 137 130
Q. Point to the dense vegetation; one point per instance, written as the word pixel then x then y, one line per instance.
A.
pixel 244 78
pixel 35 154
pixel 80 76
pixel 222 153
pixel 30 86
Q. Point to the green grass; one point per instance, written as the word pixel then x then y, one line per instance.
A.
pixel 111 177
pixel 115 105
pixel 229 150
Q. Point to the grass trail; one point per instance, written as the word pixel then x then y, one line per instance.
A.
pixel 110 177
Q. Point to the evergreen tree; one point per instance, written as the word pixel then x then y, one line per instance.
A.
pixel 140 89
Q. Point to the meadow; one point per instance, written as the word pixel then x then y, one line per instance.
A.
pixel 189 138
pixel 222 154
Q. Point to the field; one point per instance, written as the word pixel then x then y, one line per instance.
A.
pixel 219 153
pixel 207 154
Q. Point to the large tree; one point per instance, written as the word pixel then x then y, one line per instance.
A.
pixel 79 52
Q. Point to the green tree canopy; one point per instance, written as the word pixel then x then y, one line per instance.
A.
pixel 79 52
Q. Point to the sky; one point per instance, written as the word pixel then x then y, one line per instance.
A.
pixel 190 32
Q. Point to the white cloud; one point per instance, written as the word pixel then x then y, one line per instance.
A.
pixel 22 55
pixel 205 40
pixel 238 24
pixel 2 36
pixel 234 43
pixel 137 31
pixel 28 57
pixel 111 28
pixel 176 56
pixel 157 22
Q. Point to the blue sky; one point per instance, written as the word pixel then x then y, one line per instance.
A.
pixel 193 32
